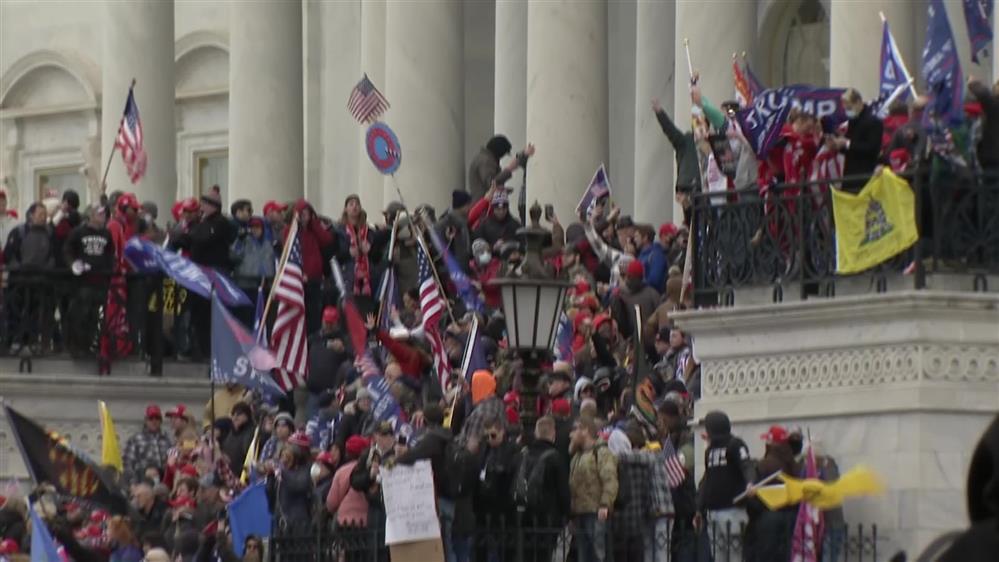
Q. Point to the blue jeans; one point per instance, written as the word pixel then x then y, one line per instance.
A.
pixel 591 538
pixel 456 549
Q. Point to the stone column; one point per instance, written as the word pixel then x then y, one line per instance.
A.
pixel 653 162
pixel 138 43
pixel 855 42
pixel 510 108
pixel 265 102
pixel 423 81
pixel 566 99
pixel 371 183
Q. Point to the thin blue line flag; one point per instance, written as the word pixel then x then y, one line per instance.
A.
pixel 236 355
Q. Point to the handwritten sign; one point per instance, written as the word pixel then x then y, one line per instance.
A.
pixel 410 512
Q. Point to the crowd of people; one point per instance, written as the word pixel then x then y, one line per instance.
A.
pixel 593 460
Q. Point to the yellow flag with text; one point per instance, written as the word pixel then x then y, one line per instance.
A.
pixel 874 225
pixel 110 452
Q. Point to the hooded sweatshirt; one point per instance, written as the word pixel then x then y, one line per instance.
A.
pixel 486 406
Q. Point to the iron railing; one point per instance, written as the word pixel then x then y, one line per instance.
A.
pixel 786 240
pixel 496 540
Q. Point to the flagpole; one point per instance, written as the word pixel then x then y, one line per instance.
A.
pixel 293 231
pixel 437 278
pixel 688 259
pixel 901 60
pixel 107 167
pixel 638 349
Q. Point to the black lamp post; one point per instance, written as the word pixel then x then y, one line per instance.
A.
pixel 532 305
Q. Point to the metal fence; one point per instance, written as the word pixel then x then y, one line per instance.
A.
pixel 786 240
pixel 499 541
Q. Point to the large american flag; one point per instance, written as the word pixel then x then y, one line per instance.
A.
pixel 675 471
pixel 432 305
pixel 288 337
pixel 129 140
pixel 366 103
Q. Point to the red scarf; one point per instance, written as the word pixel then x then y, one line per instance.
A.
pixel 362 272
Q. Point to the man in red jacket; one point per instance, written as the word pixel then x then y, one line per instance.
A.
pixel 313 238
pixel 115 339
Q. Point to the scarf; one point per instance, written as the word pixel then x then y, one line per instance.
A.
pixel 362 271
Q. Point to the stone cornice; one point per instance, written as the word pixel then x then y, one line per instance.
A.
pixel 42 385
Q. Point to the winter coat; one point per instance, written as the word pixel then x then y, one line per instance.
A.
pixel 863 153
pixel 553 506
pixel 481 171
pixel 688 175
pixel 30 246
pixel 492 230
pixel 313 238
pixel 487 410
pixel 988 146
pixel 349 505
pixel 92 246
pixel 236 445
pixel 623 306
pixel 294 496
pixel 432 446
pixel 209 242
pixel 253 258
pixel 654 262
pixel 497 471
pixel 593 479
pixel 143 449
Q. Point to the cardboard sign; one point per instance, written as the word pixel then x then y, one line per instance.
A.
pixel 410 505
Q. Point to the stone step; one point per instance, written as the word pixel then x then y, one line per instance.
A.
pixel 62 364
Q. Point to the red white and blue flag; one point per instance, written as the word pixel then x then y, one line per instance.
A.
pixel 237 355
pixel 432 305
pixel 366 103
pixel 942 70
pixel 289 339
pixel 675 471
pixel 129 140
pixel 599 187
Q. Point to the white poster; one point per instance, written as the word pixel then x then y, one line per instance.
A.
pixel 410 506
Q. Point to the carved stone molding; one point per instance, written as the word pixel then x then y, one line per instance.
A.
pixel 850 368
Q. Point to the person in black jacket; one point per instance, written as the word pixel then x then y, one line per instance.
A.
pixel 89 251
pixel 862 144
pixel 237 443
pixel 209 242
pixel 551 509
pixel 728 472
pixel 988 146
pixel 328 350
pixel 294 487
pixel 432 446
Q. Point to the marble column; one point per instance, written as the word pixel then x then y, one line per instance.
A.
pixel 715 30
pixel 510 108
pixel 855 42
pixel 424 83
pixel 138 43
pixel 654 54
pixel 566 99
pixel 265 102
pixel 370 183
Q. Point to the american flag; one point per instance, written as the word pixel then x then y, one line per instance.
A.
pixel 743 94
pixel 432 306
pixel 366 103
pixel 289 337
pixel 129 140
pixel 675 471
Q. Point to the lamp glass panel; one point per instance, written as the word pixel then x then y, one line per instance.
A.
pixel 509 311
pixel 548 315
pixel 527 296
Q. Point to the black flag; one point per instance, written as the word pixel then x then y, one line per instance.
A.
pixel 51 460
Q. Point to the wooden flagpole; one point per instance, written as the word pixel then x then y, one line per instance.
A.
pixel 293 231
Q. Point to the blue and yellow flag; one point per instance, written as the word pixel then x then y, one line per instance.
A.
pixel 874 225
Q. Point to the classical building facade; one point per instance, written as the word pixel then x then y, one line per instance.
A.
pixel 251 95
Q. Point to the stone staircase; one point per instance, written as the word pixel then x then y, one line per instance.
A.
pixel 61 393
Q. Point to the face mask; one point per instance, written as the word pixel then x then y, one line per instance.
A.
pixel 852 113
pixel 484 258
pixel 316 471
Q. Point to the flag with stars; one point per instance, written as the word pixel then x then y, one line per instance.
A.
pixel 288 337
pixel 366 103
pixel 129 140
pixel 432 305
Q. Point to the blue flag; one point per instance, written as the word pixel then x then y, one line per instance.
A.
pixel 462 284
pixel 599 187
pixel 236 355
pixel 259 324
pixel 147 257
pixel 43 547
pixel 942 69
pixel 762 122
pixel 383 404
pixel 474 358
pixel 976 15
pixel 894 77
pixel 563 339
pixel 249 514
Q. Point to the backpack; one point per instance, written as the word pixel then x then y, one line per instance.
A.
pixel 529 482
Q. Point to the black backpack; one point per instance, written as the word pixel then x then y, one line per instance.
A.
pixel 529 482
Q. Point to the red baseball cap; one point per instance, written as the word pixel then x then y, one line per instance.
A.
pixel 326 458
pixel 561 407
pixel 776 434
pixel 274 206
pixel 331 315
pixel 178 411
pixel 153 411
pixel 190 205
pixel 635 269
pixel 128 200
pixel 668 229
pixel 300 438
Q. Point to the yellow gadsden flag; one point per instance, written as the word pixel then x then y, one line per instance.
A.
pixel 859 481
pixel 875 224
pixel 110 452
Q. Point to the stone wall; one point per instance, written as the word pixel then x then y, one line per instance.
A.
pixel 903 382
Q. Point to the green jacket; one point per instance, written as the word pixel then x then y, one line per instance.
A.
pixel 593 479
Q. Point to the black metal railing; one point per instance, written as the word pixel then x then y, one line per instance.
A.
pixel 785 239
pixel 494 540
